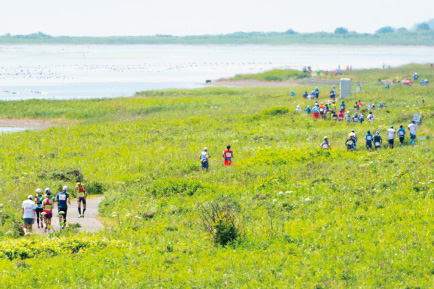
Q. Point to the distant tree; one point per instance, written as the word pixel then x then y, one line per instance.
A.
pixel 290 32
pixel 422 27
pixel 402 30
pixel 341 30
pixel 7 34
pixel 386 29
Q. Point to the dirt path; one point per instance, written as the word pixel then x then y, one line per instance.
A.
pixel 89 223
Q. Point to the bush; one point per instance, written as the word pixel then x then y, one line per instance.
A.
pixel 95 188
pixel 220 222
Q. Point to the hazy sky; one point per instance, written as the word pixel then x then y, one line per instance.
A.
pixel 192 17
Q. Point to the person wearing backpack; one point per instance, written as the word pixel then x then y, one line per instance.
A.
pixel 38 202
pixel 63 200
pixel 325 144
pixel 204 156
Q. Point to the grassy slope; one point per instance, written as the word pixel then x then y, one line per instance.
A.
pixel 349 219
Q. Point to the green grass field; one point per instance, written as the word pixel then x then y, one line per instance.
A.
pixel 290 214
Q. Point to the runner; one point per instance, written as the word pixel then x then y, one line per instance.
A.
pixel 29 214
pixel 335 116
pixel 401 134
pixel 348 117
pixel 371 117
pixel 47 205
pixel 63 200
pixel 80 191
pixel 341 116
pixel 308 110
pixel 333 93
pixel 390 136
pixel 298 109
pixel 38 201
pixel 342 106
pixel 316 93
pixel 355 118
pixel 228 156
pixel 412 127
pixel 361 118
pixel 356 107
pixel 368 138
pixel 351 143
pixel 204 159
pixel 325 144
pixel 315 111
pixel 353 134
pixel 378 141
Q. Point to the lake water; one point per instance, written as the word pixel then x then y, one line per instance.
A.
pixel 103 71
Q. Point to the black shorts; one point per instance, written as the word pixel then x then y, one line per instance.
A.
pixel 401 139
pixel 391 141
pixel 369 145
pixel 82 200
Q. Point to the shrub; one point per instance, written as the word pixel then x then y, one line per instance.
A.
pixel 95 188
pixel 220 222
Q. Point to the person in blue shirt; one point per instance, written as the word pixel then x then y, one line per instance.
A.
pixel 305 94
pixel 378 141
pixel 415 76
pixel 316 93
pixel 63 200
pixel 342 106
pixel 361 117
pixel 369 138
pixel 401 134
pixel 308 109
pixel 332 94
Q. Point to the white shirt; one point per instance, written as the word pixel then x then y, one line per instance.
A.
pixel 412 127
pixel 28 207
pixel 391 133
pixel 371 117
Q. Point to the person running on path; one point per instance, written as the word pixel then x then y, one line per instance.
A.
pixel 325 144
pixel 47 205
pixel 371 117
pixel 204 157
pixel 47 190
pixel 38 202
pixel 63 200
pixel 378 141
pixel 29 214
pixel 412 127
pixel 351 143
pixel 391 136
pixel 80 191
pixel 228 156
pixel 401 134
pixel 369 137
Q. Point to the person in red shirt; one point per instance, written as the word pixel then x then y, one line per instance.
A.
pixel 228 155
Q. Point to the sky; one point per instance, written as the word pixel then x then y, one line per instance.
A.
pixel 196 17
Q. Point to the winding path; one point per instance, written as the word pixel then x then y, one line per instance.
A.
pixel 89 223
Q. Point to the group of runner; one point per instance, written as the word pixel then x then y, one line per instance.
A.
pixel 376 140
pixel 40 207
pixel 204 157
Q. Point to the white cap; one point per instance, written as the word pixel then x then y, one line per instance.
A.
pixel 352 130
pixel 30 197
pixel 205 148
pixel 65 188
pixel 38 190
pixel 325 137
pixel 47 190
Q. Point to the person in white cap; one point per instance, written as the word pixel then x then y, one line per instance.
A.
pixel 63 200
pixel 204 156
pixel 325 144
pixel 29 214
